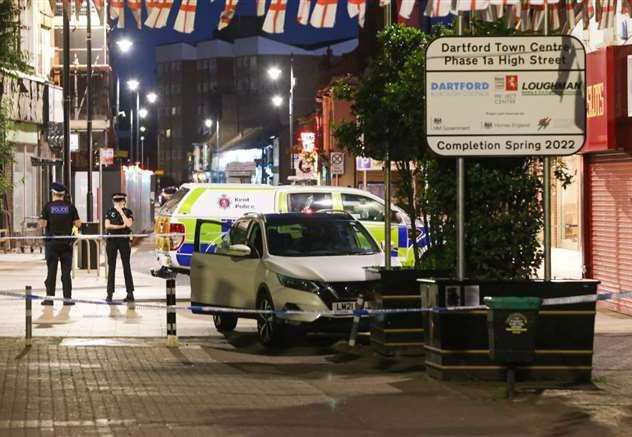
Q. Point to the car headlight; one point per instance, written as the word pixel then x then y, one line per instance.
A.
pixel 299 284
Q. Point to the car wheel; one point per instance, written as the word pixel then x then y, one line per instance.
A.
pixel 269 328
pixel 225 322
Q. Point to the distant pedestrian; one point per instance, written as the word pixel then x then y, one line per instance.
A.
pixel 58 218
pixel 118 224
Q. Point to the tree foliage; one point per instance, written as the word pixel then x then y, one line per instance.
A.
pixel 503 206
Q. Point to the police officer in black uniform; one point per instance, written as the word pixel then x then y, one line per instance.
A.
pixel 118 223
pixel 58 218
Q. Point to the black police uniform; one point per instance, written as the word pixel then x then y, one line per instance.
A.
pixel 120 244
pixel 59 215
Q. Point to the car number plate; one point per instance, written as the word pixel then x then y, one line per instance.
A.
pixel 344 306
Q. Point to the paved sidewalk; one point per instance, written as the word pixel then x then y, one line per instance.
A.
pixel 220 386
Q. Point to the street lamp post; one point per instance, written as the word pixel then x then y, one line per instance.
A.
pixel 134 86
pixel 275 74
pixel 125 46
pixel 142 114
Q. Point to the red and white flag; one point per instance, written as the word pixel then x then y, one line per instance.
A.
pixel 437 8
pixel 185 20
pixel 303 12
pixel 99 5
pixel 158 13
pixel 117 11
pixel 357 8
pixel 134 6
pixel 406 8
pixel 78 4
pixel 324 14
pixel 469 5
pixel 275 18
pixel 227 14
pixel 608 8
pixel 261 8
pixel 570 17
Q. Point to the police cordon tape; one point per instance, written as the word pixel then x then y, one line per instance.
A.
pixel 361 312
pixel 91 236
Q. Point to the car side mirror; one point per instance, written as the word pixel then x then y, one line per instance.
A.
pixel 240 250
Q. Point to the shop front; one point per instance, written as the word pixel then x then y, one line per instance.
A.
pixel 607 158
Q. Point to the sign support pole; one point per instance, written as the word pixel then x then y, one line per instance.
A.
pixel 547 186
pixel 387 175
pixel 460 199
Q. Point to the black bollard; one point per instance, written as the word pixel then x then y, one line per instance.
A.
pixel 172 337
pixel 28 341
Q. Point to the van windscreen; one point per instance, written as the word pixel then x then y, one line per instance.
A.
pixel 172 204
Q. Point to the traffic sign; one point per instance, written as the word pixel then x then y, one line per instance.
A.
pixel 506 96
pixel 337 160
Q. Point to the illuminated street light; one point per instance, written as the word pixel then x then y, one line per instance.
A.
pixel 143 129
pixel 277 100
pixel 208 123
pixel 125 45
pixel 152 97
pixel 142 112
pixel 274 73
pixel 133 84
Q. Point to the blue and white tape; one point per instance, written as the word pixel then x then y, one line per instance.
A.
pixel 361 312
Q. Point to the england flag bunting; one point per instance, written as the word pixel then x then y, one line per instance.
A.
pixel 324 14
pixel 275 18
pixel 134 6
pixel 78 8
pixel 437 8
pixel 608 8
pixel 303 12
pixel 469 5
pixel 261 8
pixel 98 5
pixel 158 14
pixel 406 8
pixel 227 14
pixel 185 20
pixel 357 8
pixel 626 8
pixel 571 16
pixel 117 11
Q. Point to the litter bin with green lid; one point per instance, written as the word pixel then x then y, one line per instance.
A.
pixel 511 327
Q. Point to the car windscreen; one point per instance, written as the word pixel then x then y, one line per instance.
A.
pixel 304 238
pixel 172 204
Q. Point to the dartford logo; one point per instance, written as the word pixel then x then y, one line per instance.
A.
pixel 459 86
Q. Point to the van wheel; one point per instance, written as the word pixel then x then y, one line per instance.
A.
pixel 270 329
pixel 225 322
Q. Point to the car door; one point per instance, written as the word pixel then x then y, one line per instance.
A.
pixel 217 278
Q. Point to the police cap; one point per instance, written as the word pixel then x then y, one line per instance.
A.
pixel 57 188
pixel 119 196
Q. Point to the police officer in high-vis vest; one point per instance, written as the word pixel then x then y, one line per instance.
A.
pixel 118 224
pixel 58 218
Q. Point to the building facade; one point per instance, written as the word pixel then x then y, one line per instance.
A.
pixel 31 102
pixel 218 93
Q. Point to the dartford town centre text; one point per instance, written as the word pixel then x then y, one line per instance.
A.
pixel 507 54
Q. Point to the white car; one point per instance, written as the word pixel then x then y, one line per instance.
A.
pixel 306 262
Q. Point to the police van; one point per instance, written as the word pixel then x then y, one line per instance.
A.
pixel 225 203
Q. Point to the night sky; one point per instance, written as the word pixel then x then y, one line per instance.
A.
pixel 141 62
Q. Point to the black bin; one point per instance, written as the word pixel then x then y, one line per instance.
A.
pixel 91 228
pixel 511 327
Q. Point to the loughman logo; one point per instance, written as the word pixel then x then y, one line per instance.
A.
pixel 558 87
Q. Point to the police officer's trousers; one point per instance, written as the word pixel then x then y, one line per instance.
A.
pixel 122 246
pixel 58 252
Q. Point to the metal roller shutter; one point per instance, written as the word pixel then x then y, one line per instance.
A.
pixel 608 236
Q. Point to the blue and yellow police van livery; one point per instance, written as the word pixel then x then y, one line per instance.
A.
pixel 224 203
